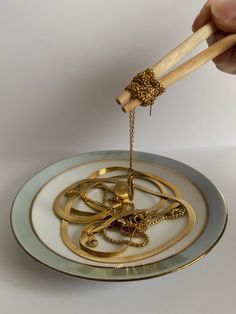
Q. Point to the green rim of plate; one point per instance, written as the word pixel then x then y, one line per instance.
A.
pixel 20 221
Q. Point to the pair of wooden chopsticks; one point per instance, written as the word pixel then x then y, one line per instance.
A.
pixel 161 67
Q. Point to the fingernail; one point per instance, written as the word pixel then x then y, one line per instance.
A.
pixel 224 9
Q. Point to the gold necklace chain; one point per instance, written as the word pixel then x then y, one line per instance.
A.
pixel 131 155
pixel 131 138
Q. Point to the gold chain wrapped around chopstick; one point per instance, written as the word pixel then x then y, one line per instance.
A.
pixel 146 87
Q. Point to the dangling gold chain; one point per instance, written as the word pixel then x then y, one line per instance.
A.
pixel 131 137
pixel 131 154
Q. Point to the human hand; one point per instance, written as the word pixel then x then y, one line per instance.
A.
pixel 223 14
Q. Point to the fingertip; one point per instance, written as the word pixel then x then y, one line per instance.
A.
pixel 224 9
pixel 223 14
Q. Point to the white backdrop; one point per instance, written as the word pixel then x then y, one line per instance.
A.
pixel 62 63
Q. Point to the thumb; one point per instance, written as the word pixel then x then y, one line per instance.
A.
pixel 223 13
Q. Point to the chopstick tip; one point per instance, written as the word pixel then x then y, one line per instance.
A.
pixel 118 101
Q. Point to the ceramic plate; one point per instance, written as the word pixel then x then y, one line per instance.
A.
pixel 37 229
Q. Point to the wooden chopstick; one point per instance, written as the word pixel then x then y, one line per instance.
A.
pixel 176 54
pixel 183 48
pixel 199 60
pixel 189 66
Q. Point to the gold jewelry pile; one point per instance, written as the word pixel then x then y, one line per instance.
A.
pixel 116 212
pixel 146 87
